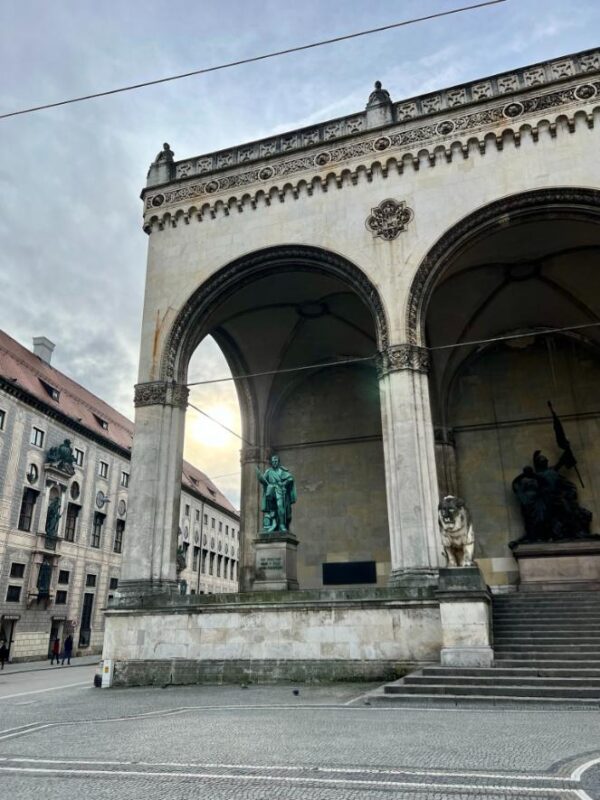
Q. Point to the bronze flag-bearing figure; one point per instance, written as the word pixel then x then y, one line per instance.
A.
pixel 549 501
pixel 279 494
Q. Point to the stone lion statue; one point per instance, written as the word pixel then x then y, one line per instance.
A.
pixel 456 531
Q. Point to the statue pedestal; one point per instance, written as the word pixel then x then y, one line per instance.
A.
pixel 559 566
pixel 465 617
pixel 276 560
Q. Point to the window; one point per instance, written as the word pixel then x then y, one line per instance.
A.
pixel 27 508
pixel 125 479
pixel 37 437
pixel 195 562
pixel 219 559
pixel 78 457
pixel 97 529
pixel 50 390
pixel 119 531
pixel 103 469
pixel 90 580
pixel 13 594
pixel 102 422
pixel 220 527
pixel 226 530
pixel 114 582
pixel 187 509
pixel 231 570
pixel 205 519
pixel 63 576
pixel 61 597
pixel 211 564
pixel 203 562
pixel 2 418
pixel 197 515
pixel 17 570
pixel 71 522
pixel 212 522
pixel 186 547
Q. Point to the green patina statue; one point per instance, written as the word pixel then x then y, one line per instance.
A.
pixel 279 494
pixel 53 517
pixel 62 457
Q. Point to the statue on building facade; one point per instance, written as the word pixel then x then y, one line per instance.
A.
pixel 456 531
pixel 279 494
pixel 53 517
pixel 549 504
pixel 44 579
pixel 62 457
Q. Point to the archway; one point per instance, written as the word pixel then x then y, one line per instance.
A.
pixel 271 313
pixel 485 300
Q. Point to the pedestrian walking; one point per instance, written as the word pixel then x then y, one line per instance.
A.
pixel 3 654
pixel 67 649
pixel 55 652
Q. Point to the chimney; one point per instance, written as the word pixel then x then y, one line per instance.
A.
pixel 43 348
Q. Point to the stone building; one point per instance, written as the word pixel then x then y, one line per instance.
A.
pixel 53 584
pixel 411 257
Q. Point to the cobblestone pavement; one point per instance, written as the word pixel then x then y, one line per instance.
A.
pixel 266 743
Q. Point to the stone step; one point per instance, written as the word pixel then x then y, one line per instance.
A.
pixel 501 681
pixel 528 640
pixel 496 691
pixel 515 672
pixel 478 701
pixel 556 654
pixel 543 663
pixel 568 623
pixel 516 619
pixel 547 633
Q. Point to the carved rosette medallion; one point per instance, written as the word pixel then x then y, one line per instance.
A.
pixel 399 357
pixel 161 393
pixel 389 219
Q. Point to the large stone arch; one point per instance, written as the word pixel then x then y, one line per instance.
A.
pixel 187 329
pixel 574 202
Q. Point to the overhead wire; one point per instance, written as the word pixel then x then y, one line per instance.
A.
pixel 251 59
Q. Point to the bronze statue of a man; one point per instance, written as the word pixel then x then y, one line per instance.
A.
pixel 279 494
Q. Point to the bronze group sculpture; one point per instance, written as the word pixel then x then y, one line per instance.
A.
pixel 62 457
pixel 549 504
pixel 278 496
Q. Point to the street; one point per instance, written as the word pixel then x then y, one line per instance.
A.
pixel 60 736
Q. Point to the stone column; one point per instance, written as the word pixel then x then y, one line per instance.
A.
pixel 150 546
pixel 410 470
pixel 250 525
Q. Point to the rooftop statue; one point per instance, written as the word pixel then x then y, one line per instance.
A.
pixel 166 154
pixel 279 494
pixel 62 457
pixel 378 95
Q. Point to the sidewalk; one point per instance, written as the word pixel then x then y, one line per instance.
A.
pixel 35 666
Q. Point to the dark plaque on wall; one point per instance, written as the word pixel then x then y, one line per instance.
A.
pixel 337 573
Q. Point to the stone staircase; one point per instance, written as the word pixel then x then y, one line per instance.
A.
pixel 546 650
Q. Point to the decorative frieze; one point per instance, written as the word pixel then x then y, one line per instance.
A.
pixel 161 393
pixel 389 219
pixel 399 357
pixel 405 110
pixel 459 127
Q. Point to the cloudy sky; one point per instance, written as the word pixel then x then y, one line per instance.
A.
pixel 72 252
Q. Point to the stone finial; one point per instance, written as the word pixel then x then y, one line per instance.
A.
pixel 378 96
pixel 162 169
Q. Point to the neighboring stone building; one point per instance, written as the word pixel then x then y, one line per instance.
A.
pixel 411 257
pixel 54 584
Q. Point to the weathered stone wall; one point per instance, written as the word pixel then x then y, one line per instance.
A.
pixel 280 636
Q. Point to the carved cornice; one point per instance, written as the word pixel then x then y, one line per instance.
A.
pixel 468 95
pixel 399 357
pixel 582 203
pixel 400 141
pixel 161 393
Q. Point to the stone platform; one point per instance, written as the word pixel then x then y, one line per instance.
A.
pixel 327 635
pixel 563 566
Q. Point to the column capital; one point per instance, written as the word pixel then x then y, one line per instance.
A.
pixel 252 454
pixel 399 357
pixel 161 393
